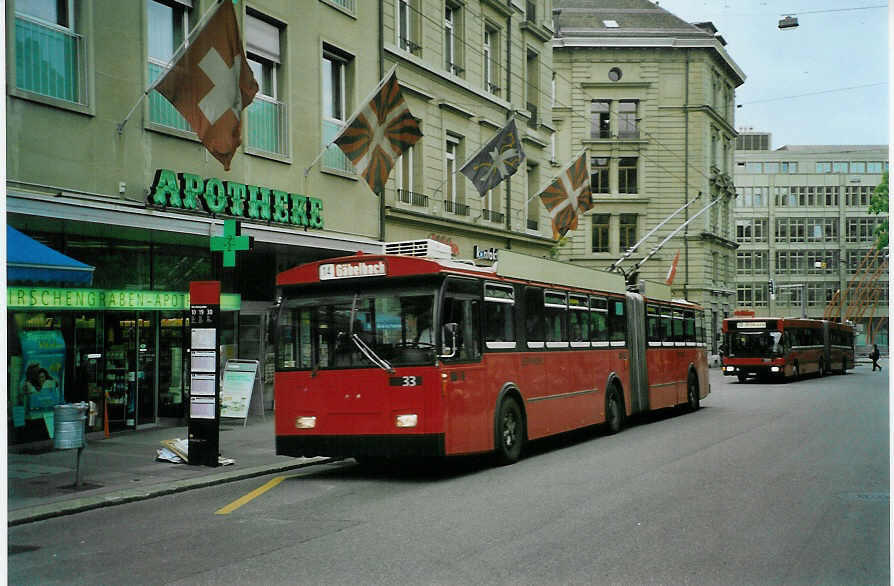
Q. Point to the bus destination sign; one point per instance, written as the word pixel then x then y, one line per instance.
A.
pixel 751 325
pixel 350 270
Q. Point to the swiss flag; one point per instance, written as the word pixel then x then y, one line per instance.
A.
pixel 211 83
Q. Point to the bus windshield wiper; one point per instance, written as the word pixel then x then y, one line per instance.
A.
pixel 371 354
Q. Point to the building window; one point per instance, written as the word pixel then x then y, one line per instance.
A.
pixel 265 118
pixel 453 189
pixel 858 167
pixel 491 55
pixel 824 167
pixel 534 204
pixel 788 167
pixel 839 167
pixel 627 119
pixel 754 167
pixel 408 26
pixel 452 39
pixel 627 175
pixel 600 119
pixel 626 231
pixel 771 168
pixel 599 174
pixel 874 167
pixel 336 68
pixel 532 75
pixel 601 224
pixel 168 27
pixel 404 179
pixel 50 57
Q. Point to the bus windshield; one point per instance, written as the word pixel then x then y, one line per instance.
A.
pixel 755 344
pixel 357 329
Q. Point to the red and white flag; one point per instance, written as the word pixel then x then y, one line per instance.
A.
pixel 672 271
pixel 379 132
pixel 568 195
pixel 211 83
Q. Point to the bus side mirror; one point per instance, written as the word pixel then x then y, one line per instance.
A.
pixel 448 340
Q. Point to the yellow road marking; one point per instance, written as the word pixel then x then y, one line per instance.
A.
pixel 249 497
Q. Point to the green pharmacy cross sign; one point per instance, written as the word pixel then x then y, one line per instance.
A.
pixel 231 242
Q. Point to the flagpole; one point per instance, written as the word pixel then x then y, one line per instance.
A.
pixel 351 119
pixel 183 46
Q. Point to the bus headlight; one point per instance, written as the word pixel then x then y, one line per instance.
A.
pixel 774 369
pixel 730 368
pixel 407 420
pixel 305 422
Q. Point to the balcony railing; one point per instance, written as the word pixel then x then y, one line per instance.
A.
pixel 412 198
pixel 334 157
pixel 492 216
pixel 452 207
pixel 50 61
pixel 161 111
pixel 408 45
pixel 348 5
pixel 267 126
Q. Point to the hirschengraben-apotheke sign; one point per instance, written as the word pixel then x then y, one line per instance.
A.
pixel 188 191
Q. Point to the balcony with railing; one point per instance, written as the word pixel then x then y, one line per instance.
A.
pixel 334 157
pixel 161 111
pixel 412 198
pixel 50 60
pixel 452 207
pixel 266 126
pixel 492 216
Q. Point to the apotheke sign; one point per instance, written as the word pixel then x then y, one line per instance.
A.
pixel 187 191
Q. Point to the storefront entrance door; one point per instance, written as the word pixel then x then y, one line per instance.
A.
pixel 130 363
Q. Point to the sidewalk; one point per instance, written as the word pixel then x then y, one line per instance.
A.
pixel 123 468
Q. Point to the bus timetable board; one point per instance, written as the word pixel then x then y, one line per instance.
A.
pixel 383 356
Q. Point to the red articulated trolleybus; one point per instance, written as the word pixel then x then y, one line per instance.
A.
pixel 786 348
pixel 520 350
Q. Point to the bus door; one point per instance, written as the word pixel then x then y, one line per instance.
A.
pixel 636 344
pixel 469 403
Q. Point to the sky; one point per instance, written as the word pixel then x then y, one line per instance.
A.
pixel 827 52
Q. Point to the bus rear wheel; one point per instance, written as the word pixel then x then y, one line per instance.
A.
pixel 510 432
pixel 692 393
pixel 614 411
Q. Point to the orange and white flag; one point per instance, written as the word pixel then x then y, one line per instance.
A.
pixel 211 83
pixel 672 271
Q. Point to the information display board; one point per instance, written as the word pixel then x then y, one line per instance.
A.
pixel 236 390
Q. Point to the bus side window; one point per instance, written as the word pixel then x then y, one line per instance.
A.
pixel 653 325
pixel 667 332
pixel 578 321
pixel 534 317
pixel 689 327
pixel 617 322
pixel 598 322
pixel 555 309
pixel 677 321
pixel 499 316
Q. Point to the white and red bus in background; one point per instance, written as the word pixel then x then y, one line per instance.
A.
pixel 785 348
pixel 520 350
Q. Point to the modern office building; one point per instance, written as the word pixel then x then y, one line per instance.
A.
pixel 802 221
pixel 85 153
pixel 651 97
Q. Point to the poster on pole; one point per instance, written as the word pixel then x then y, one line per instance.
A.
pixel 238 383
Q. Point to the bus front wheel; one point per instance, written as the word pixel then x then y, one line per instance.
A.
pixel 692 393
pixel 510 432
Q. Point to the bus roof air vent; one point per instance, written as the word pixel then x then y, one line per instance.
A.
pixel 425 248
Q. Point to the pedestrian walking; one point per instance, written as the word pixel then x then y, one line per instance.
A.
pixel 874 355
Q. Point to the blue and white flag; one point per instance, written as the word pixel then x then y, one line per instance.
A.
pixel 495 161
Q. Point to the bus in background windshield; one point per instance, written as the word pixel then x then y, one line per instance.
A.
pixel 785 348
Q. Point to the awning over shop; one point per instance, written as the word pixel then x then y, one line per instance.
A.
pixel 27 260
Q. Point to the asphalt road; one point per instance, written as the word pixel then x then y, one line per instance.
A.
pixel 766 484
